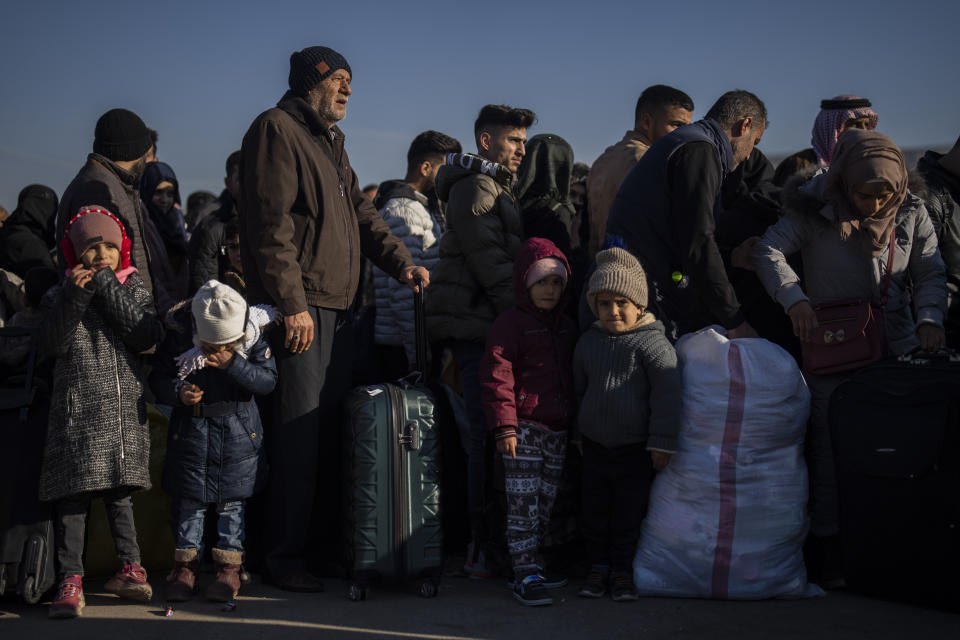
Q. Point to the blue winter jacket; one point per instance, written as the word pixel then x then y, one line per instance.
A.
pixel 213 459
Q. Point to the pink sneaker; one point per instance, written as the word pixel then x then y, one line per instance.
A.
pixel 130 583
pixel 69 601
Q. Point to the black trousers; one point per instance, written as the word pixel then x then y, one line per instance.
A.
pixel 303 443
pixel 71 528
pixel 616 488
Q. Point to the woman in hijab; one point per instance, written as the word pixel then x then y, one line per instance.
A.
pixel 26 239
pixel 842 221
pixel 543 190
pixel 165 233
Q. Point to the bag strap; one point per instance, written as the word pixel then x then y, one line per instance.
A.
pixel 886 280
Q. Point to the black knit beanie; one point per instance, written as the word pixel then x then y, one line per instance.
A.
pixel 121 136
pixel 310 67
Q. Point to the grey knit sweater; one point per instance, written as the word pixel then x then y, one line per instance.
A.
pixel 629 387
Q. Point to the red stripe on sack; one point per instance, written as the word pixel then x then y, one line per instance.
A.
pixel 728 474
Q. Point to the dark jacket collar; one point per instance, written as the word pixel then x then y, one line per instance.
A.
pixel 300 111
pixel 126 177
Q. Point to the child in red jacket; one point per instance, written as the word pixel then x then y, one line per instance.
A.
pixel 527 384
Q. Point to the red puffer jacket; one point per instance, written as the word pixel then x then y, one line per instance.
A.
pixel 526 371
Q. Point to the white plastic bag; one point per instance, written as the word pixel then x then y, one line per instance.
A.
pixel 727 517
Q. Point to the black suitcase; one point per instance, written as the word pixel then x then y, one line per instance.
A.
pixel 895 428
pixel 392 463
pixel 26 529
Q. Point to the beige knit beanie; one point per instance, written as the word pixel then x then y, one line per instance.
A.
pixel 619 272
pixel 219 312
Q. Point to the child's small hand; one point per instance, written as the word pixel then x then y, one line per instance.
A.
pixel 190 394
pixel 660 459
pixel 81 276
pixel 508 445
pixel 220 359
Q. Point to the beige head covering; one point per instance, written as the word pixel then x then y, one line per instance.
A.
pixel 861 157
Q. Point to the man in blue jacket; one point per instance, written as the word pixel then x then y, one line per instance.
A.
pixel 665 215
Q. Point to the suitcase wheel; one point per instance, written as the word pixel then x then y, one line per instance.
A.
pixel 29 594
pixel 357 592
pixel 428 589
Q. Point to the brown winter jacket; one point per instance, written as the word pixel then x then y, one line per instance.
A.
pixel 606 176
pixel 303 220
pixel 102 182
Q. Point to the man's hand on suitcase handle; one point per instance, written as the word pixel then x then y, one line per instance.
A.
pixel 410 275
pixel 932 338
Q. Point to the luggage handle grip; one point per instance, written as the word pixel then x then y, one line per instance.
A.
pixel 420 327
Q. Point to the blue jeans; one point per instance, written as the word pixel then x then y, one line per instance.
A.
pixel 230 525
pixel 467 355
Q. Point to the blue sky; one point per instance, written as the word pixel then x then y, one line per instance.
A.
pixel 199 72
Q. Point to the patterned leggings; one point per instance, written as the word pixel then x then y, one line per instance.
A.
pixel 531 484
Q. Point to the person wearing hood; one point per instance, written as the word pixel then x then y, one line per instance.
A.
pixel 527 387
pixel 411 210
pixel 473 279
pixel 543 190
pixel 845 223
pixel 25 241
pixel 207 257
pixel 165 231
pixel 109 178
pixel 837 115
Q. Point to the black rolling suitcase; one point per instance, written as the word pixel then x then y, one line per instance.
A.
pixel 26 530
pixel 392 462
pixel 895 428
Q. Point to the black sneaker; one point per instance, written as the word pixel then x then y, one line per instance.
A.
pixel 622 589
pixel 596 584
pixel 531 592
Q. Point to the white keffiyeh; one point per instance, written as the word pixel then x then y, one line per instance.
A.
pixel 261 316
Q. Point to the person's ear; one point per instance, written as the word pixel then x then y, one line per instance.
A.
pixel 226 182
pixel 742 127
pixel 426 168
pixel 484 141
pixel 645 123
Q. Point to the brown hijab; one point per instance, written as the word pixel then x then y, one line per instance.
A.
pixel 861 157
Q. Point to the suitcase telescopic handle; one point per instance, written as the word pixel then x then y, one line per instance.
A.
pixel 420 327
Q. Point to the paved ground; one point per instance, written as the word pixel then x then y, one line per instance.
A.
pixel 477 609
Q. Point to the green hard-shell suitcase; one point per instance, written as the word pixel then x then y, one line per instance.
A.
pixel 392 462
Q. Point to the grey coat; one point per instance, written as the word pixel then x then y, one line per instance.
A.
pixel 835 270
pixel 97 436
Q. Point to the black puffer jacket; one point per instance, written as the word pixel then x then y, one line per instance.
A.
pixel 97 437
pixel 473 281
pixel 212 459
pixel 207 261
pixel 25 239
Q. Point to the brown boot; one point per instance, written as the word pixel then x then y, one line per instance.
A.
pixel 182 582
pixel 228 566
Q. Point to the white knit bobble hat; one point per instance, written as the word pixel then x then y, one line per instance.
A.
pixel 219 313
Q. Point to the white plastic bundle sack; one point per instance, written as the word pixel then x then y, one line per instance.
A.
pixel 727 517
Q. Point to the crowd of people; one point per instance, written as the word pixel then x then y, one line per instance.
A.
pixel 555 289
